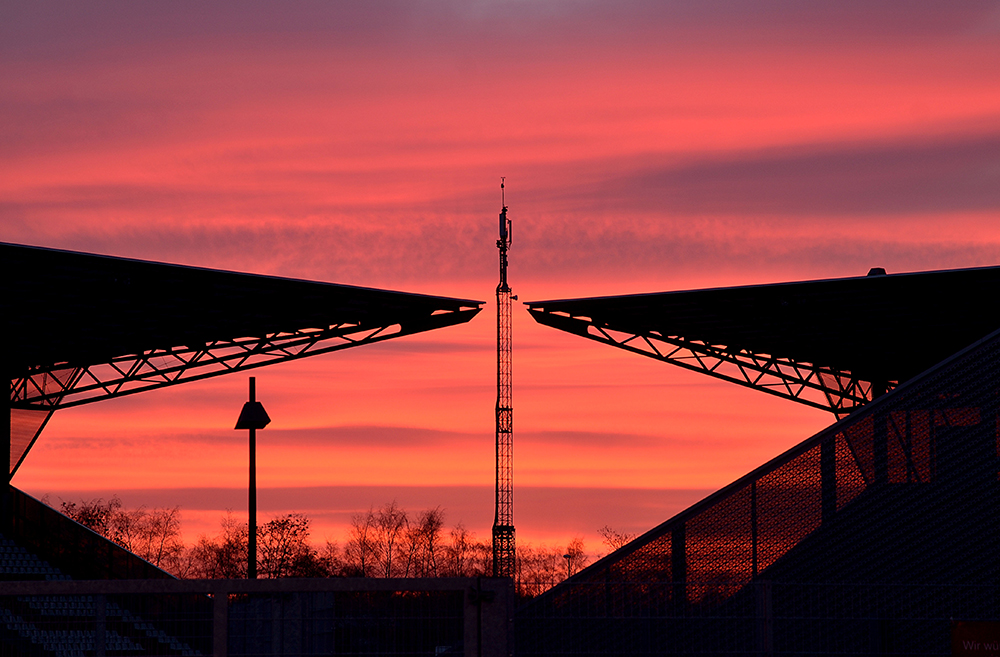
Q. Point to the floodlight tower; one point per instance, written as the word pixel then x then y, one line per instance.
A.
pixel 503 521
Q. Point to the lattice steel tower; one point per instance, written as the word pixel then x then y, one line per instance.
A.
pixel 503 521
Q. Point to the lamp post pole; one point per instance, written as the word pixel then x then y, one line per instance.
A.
pixel 252 417
pixel 252 501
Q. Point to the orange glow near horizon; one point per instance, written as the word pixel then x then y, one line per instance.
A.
pixel 654 147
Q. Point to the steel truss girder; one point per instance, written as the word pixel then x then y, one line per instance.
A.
pixel 820 387
pixel 65 385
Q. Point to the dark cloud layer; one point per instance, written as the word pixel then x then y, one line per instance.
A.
pixel 553 510
pixel 382 436
pixel 886 178
pixel 46 29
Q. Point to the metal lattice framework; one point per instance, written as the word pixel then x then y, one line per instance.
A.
pixel 819 387
pixel 504 552
pixel 58 386
pixel 832 344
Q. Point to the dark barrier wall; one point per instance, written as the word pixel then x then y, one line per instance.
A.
pixel 885 518
pixel 71 547
pixel 288 617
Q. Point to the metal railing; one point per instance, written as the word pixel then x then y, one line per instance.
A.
pixel 461 616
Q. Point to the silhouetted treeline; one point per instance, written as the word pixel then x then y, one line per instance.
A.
pixel 154 535
pixel 386 541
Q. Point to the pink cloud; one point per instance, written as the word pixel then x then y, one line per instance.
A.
pixel 648 146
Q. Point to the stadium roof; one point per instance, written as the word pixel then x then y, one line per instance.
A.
pixel 877 327
pixel 81 309
pixel 80 328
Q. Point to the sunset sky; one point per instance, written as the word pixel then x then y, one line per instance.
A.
pixel 647 146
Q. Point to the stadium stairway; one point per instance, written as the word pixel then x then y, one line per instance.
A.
pixel 45 545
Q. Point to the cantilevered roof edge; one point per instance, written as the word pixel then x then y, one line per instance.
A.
pixel 755 286
pixel 79 309
pixel 248 275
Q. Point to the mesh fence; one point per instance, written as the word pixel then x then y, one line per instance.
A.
pixel 347 622
pixel 79 625
pixel 26 424
pixel 256 618
pixel 298 623
pixel 894 509
pixel 763 618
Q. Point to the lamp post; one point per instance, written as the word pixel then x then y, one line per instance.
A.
pixel 252 417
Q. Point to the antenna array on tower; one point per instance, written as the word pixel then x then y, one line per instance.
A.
pixel 503 520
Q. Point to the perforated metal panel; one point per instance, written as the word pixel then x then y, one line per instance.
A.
pixel 868 537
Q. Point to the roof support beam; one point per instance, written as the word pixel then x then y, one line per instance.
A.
pixel 64 385
pixel 819 387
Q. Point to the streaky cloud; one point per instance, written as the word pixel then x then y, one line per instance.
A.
pixel 548 510
pixel 35 31
pixel 899 178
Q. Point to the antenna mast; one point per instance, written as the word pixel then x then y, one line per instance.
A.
pixel 503 521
